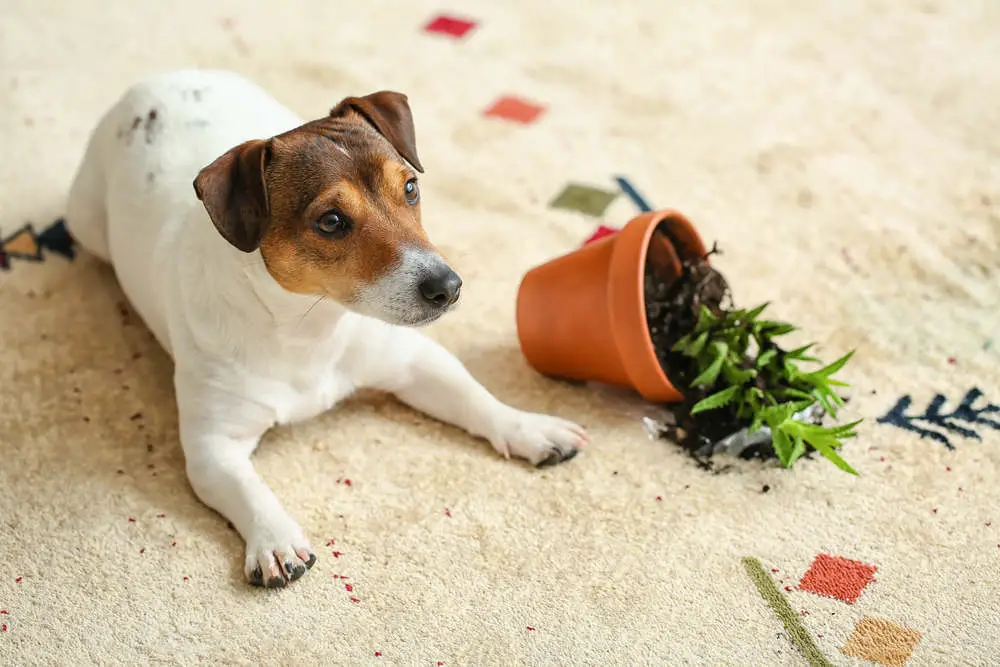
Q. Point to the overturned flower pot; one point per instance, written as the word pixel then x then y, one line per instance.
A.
pixel 644 309
pixel 582 316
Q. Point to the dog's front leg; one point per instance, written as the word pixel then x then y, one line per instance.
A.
pixel 430 379
pixel 218 433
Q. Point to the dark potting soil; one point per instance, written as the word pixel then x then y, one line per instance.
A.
pixel 671 313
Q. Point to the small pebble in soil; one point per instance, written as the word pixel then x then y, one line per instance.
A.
pixel 765 488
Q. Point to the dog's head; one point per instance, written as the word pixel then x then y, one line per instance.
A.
pixel 333 206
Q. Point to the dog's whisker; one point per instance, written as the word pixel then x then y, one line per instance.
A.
pixel 309 310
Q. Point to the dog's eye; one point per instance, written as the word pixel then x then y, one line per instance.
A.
pixel 412 192
pixel 333 225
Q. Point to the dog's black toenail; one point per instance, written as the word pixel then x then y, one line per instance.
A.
pixel 257 577
pixel 297 572
pixel 276 582
pixel 311 561
pixel 570 454
pixel 550 460
pixel 289 567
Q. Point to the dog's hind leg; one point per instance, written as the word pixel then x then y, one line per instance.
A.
pixel 86 214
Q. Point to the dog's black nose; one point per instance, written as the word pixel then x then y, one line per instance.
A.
pixel 441 289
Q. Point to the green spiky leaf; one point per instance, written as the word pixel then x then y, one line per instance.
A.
pixel 773 329
pixel 783 446
pixel 766 358
pixel 826 445
pixel 755 313
pixel 716 400
pixel 711 373
pixel 829 370
pixel 737 376
pixel 706 319
pixel 698 345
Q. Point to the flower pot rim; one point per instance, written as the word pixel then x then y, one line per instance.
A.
pixel 627 303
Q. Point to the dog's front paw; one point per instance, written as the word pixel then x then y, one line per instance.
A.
pixel 277 554
pixel 538 438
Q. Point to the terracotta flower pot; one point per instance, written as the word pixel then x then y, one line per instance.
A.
pixel 582 316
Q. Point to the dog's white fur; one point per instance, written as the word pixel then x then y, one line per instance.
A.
pixel 247 353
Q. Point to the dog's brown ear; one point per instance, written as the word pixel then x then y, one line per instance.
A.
pixel 234 193
pixel 389 113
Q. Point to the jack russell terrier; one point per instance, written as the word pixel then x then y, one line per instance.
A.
pixel 282 264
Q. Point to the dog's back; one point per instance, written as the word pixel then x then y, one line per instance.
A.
pixel 133 192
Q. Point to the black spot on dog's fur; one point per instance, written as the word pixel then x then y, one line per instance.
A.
pixel 127 134
pixel 151 126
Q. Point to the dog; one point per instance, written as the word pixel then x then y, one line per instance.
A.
pixel 282 264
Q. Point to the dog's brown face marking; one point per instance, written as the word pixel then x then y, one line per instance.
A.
pixel 328 173
pixel 332 206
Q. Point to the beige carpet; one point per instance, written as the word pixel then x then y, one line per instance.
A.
pixel 846 156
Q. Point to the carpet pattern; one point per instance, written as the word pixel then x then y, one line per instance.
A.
pixel 844 155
